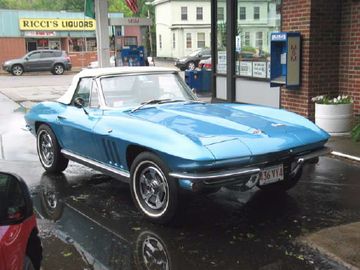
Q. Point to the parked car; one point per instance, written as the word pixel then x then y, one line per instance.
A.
pixel 206 63
pixel 192 60
pixel 20 246
pixel 144 126
pixel 54 61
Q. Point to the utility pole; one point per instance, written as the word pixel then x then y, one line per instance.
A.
pixel 102 33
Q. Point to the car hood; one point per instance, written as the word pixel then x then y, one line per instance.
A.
pixel 224 128
pixel 12 61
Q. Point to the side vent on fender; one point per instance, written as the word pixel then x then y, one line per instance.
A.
pixel 111 152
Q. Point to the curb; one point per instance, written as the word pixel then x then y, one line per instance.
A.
pixel 346 156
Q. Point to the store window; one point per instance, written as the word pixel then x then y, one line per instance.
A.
pixel 42 43
pixel 220 14
pixel 199 13
pixel 184 15
pixel 201 40
pixel 188 41
pixel 91 44
pixel 253 49
pixel 221 39
pixel 130 41
pixel 242 13
pixel 77 45
pixel 256 13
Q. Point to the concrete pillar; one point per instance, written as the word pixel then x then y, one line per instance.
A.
pixel 102 33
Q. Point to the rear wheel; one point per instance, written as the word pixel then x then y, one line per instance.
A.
pixel 283 186
pixel 17 70
pixel 49 150
pixel 154 192
pixel 58 69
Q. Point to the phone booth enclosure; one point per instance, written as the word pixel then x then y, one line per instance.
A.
pixel 285 59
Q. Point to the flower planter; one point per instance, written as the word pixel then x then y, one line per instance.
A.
pixel 334 118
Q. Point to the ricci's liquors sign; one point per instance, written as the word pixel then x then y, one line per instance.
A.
pixel 57 24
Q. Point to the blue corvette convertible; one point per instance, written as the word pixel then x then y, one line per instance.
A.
pixel 144 126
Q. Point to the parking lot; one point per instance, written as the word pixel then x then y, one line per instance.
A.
pixel 88 220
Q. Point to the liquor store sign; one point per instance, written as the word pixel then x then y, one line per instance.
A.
pixel 57 24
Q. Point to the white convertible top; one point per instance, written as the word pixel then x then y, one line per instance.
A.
pixel 98 72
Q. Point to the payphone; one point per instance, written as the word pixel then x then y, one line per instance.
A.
pixel 285 59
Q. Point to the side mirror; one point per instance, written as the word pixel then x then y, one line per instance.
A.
pixel 79 102
pixel 15 200
pixel 27 58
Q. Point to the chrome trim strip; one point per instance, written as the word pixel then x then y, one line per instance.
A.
pixel 94 164
pixel 216 175
pixel 322 152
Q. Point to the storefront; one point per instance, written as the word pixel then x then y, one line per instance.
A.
pixel 26 31
pixel 329 54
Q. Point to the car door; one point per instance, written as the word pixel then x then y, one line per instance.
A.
pixel 46 61
pixel 76 124
pixel 32 61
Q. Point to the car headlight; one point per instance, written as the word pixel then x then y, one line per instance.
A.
pixel 6 63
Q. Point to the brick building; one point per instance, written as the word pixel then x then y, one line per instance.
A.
pixel 330 53
pixel 22 31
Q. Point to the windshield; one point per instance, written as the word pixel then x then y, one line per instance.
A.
pixel 133 90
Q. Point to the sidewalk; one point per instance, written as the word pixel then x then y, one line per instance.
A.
pixel 345 147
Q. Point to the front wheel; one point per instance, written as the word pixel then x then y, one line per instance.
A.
pixel 17 70
pixel 49 150
pixel 191 65
pixel 154 192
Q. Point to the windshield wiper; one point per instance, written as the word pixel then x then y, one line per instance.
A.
pixel 156 101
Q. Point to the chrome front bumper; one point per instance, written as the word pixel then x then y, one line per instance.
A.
pixel 245 178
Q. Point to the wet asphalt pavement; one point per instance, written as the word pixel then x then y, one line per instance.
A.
pixel 88 220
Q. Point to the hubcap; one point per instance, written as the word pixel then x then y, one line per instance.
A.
pixel 17 70
pixel 153 188
pixel 51 199
pixel 154 254
pixel 59 69
pixel 46 149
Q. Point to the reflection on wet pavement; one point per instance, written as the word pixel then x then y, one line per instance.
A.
pixel 226 230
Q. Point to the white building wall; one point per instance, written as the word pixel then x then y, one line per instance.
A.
pixel 168 21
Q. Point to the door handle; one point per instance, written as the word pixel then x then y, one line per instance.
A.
pixel 60 117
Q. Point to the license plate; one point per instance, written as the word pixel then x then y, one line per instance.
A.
pixel 271 175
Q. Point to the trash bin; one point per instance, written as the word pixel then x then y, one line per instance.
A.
pixel 193 79
pixel 206 81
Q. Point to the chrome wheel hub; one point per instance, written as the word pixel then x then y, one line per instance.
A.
pixel 17 70
pixel 154 254
pixel 59 69
pixel 46 149
pixel 153 188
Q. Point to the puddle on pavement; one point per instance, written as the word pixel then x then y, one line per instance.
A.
pixel 98 227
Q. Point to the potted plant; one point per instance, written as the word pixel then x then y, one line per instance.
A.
pixel 334 115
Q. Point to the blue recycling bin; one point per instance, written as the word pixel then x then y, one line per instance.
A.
pixel 193 79
pixel 200 80
pixel 206 80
